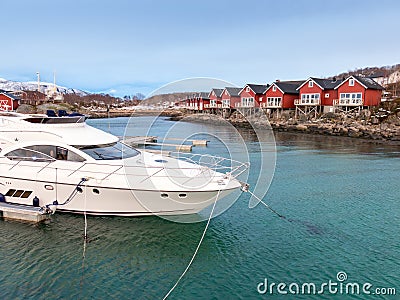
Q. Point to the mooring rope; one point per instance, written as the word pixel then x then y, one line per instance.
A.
pixel 197 249
pixel 74 192
pixel 266 205
pixel 85 239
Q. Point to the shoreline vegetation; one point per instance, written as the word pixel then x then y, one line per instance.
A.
pixel 381 125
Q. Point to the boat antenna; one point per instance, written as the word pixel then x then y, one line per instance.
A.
pixel 56 184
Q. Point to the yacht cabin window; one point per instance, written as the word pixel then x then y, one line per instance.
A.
pixel 28 155
pixel 110 151
pixel 44 153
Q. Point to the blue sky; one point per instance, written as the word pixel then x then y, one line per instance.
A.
pixel 138 46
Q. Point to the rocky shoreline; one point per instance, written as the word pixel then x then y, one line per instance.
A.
pixel 388 133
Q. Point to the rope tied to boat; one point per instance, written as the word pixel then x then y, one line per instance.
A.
pixel 78 188
pixel 197 248
pixel 310 227
pixel 265 204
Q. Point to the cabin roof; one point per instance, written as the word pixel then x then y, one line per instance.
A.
pixel 233 91
pixel 258 88
pixel 203 95
pixel 369 83
pixel 324 83
pixel 218 92
pixel 288 87
pixel 11 96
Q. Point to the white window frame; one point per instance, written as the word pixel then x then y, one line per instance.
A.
pixel 309 98
pixel 274 102
pixel 274 88
pixel 351 82
pixel 350 98
pixel 247 102
pixel 247 89
pixel 310 84
pixel 326 95
pixel 226 103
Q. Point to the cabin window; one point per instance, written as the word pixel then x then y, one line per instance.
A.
pixel 350 98
pixel 72 156
pixel 274 88
pixel 58 153
pixel 351 82
pixel 310 84
pixel 28 155
pixel 248 102
pixel 247 89
pixel 274 101
pixel 226 103
pixel 44 153
pixel 312 99
pixel 327 95
pixel 110 151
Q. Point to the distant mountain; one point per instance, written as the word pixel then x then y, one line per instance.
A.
pixel 10 85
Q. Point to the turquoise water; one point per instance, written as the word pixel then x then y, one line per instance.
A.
pixel 340 198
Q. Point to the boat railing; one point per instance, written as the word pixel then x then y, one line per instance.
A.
pixel 32 131
pixel 204 163
pixel 224 165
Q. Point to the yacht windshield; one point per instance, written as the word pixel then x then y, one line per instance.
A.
pixel 110 151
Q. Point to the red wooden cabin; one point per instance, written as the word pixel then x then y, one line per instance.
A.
pixel 317 91
pixel 252 95
pixel 281 94
pixel 230 97
pixel 359 91
pixel 8 101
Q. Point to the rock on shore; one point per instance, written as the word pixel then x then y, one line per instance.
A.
pixel 378 132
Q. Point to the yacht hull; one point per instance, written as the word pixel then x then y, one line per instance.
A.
pixel 100 200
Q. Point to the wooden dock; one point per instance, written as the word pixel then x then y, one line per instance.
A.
pixel 136 141
pixel 194 142
pixel 22 213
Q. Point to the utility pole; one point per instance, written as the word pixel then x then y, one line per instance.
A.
pixel 38 81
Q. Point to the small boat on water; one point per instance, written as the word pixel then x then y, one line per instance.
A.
pixel 63 163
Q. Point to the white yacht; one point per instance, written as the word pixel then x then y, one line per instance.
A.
pixel 63 163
